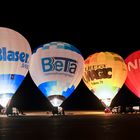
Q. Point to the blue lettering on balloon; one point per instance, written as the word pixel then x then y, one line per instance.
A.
pixel 47 64
pixel 59 64
pixel 9 55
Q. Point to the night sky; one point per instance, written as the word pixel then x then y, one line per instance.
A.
pixel 90 31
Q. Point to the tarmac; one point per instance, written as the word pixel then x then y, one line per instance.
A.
pixel 75 125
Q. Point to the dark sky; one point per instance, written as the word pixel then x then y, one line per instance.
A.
pixel 90 30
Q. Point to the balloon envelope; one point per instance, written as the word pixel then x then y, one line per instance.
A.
pixel 57 68
pixel 15 56
pixel 104 75
pixel 133 77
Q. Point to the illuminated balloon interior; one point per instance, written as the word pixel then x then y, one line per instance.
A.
pixel 104 75
pixel 15 53
pixel 57 69
pixel 5 99
pixel 105 94
pixel 133 77
pixel 56 100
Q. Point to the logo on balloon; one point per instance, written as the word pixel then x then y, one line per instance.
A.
pixel 97 72
pixel 59 64
pixel 9 55
pixel 134 65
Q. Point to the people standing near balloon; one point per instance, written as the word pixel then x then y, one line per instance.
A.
pixel 15 53
pixel 57 69
pixel 104 75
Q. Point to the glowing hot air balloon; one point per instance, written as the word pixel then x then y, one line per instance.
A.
pixel 133 77
pixel 104 75
pixel 15 55
pixel 56 68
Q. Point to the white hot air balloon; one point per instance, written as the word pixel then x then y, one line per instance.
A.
pixel 15 53
pixel 57 68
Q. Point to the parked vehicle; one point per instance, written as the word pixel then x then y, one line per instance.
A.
pixel 12 111
pixel 125 109
pixel 114 110
pixel 136 109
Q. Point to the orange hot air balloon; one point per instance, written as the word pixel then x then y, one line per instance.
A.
pixel 104 75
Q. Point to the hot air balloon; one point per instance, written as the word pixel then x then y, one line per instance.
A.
pixel 57 68
pixel 133 77
pixel 104 75
pixel 15 53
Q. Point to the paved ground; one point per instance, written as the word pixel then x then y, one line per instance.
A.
pixel 73 126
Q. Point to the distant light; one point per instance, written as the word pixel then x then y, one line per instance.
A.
pixel 4 100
